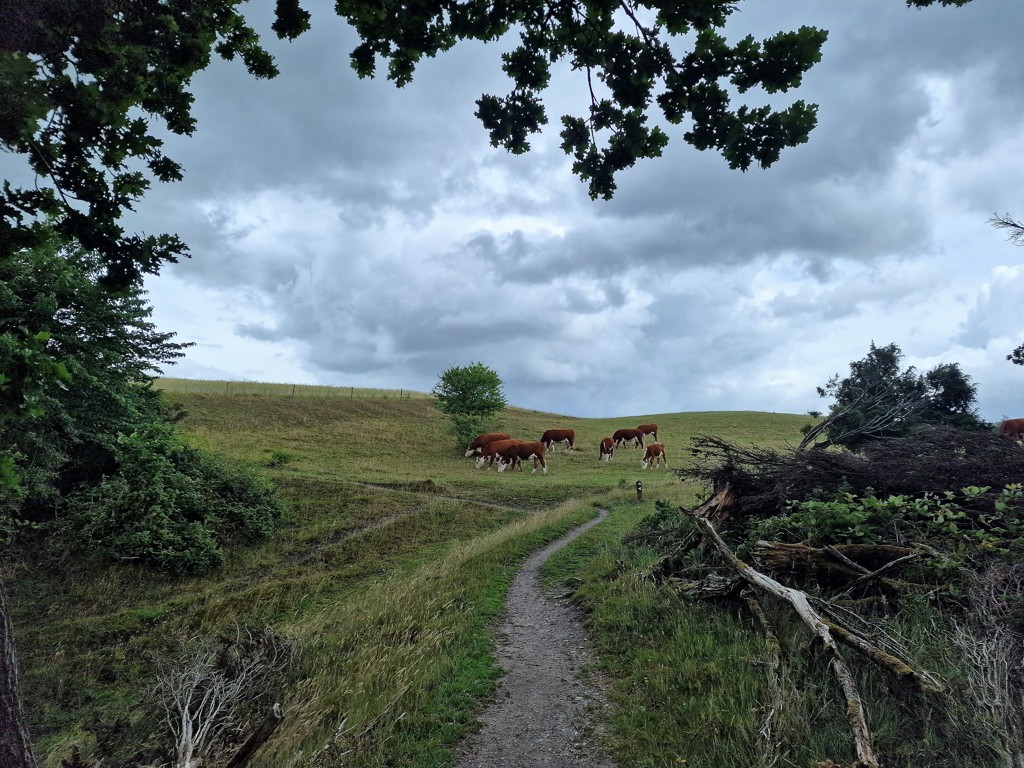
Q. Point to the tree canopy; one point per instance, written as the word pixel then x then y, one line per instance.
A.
pixel 101 470
pixel 472 396
pixel 879 400
pixel 472 390
pixel 83 81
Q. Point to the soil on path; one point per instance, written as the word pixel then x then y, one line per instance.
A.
pixel 545 707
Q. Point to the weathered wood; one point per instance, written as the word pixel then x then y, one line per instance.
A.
pixel 258 738
pixel 801 604
pixel 714 586
pixel 768 746
pixel 15 747
pixel 846 566
pixel 905 674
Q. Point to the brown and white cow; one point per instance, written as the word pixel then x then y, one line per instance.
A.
pixel 655 455
pixel 607 448
pixel 513 456
pixel 478 445
pixel 649 429
pixel 490 452
pixel 554 436
pixel 623 436
pixel 1012 428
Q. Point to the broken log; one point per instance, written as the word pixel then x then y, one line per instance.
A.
pixel 801 604
pixel 843 565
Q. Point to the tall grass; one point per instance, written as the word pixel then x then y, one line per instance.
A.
pixel 691 684
pixel 388 576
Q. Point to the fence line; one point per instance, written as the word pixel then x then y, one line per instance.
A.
pixel 284 390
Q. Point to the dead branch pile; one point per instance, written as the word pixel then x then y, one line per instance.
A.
pixel 935 459
pixel 827 584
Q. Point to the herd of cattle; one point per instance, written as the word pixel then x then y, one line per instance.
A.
pixel 507 452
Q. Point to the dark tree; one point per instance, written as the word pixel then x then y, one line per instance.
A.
pixel 878 400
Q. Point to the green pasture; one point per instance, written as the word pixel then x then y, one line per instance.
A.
pixel 269 389
pixel 386 579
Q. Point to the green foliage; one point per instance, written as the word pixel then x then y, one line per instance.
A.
pixel 169 505
pixel 971 521
pixel 100 469
pixel 472 390
pixel 278 459
pixel 85 81
pixel 82 84
pixel 878 400
pixel 471 396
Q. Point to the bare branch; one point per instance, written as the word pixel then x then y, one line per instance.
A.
pixel 1015 228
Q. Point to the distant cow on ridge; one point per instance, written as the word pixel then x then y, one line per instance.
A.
pixel 607 448
pixel 478 445
pixel 649 429
pixel 1012 428
pixel 634 436
pixel 553 436
pixel 655 455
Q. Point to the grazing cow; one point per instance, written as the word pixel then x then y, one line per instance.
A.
pixel 655 455
pixel 490 452
pixel 649 429
pixel 478 445
pixel 513 456
pixel 623 436
pixel 1012 428
pixel 553 436
pixel 607 448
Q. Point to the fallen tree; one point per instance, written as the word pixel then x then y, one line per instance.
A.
pixel 840 541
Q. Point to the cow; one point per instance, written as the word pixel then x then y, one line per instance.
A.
pixel 634 436
pixel 655 455
pixel 478 445
pixel 513 456
pixel 553 436
pixel 489 453
pixel 1012 428
pixel 649 429
pixel 607 448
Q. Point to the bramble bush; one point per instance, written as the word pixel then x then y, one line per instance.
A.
pixel 974 520
pixel 169 505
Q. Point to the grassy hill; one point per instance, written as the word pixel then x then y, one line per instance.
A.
pixel 381 587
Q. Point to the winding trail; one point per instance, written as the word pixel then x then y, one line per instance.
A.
pixel 542 712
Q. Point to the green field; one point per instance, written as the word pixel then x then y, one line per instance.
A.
pixel 385 581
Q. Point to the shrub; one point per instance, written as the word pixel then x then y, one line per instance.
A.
pixel 169 505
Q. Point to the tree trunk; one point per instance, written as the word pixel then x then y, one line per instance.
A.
pixel 15 747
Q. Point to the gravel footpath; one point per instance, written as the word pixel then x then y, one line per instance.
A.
pixel 544 707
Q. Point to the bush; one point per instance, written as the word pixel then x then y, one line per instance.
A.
pixel 169 505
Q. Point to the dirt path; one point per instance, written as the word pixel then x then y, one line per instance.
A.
pixel 542 712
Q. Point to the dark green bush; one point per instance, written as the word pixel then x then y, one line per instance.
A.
pixel 169 505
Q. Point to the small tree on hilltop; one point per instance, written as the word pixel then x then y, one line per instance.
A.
pixel 879 401
pixel 471 396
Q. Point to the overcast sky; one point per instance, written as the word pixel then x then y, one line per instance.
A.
pixel 351 233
